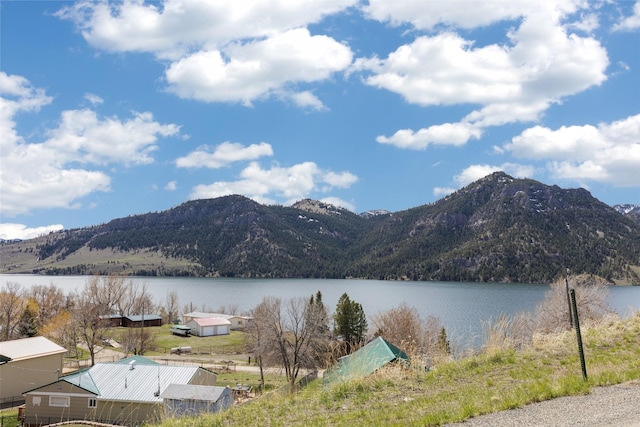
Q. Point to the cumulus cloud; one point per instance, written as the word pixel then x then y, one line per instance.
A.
pixel 83 136
pixel 476 172
pixel 608 152
pixel 246 72
pixel 223 155
pixel 174 28
pixel 222 51
pixel 277 184
pixel 444 134
pixel 631 22
pixel 52 173
pixel 336 201
pixel 10 231
pixel 171 186
pixel 542 63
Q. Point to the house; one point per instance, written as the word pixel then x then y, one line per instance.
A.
pixel 209 326
pixel 237 321
pixel 363 362
pixel 126 392
pixel 139 320
pixel 28 363
pixel 185 399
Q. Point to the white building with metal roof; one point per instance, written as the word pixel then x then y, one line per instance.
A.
pixel 128 391
pixel 28 363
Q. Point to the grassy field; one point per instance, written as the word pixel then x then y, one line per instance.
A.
pixel 164 341
pixel 498 379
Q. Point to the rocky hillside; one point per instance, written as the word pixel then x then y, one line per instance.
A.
pixel 496 229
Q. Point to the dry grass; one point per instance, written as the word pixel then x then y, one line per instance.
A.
pixel 454 390
pixel 19 258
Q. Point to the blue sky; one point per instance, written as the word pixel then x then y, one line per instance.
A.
pixel 112 109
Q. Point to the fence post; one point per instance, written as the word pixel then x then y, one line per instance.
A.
pixel 576 323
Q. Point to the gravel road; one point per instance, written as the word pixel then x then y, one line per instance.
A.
pixel 617 405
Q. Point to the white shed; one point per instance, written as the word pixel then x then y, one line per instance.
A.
pixel 209 326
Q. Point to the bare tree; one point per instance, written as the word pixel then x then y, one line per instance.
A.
pixel 12 305
pixel 89 319
pixel 171 308
pixel 50 300
pixel 260 333
pixel 291 335
pixel 403 327
pixel 108 292
pixel 592 299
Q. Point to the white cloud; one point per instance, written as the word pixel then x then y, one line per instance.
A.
pixel 513 82
pixel 9 231
pixel 223 155
pixel 443 191
pixel 631 22
pixel 476 172
pixel 277 184
pixel 246 72
pixel 171 186
pixel 174 28
pixel 307 99
pixel 608 152
pixel 47 174
pixel 444 134
pixel 222 51
pixel 426 15
pixel 336 201
pixel 83 136
pixel 93 98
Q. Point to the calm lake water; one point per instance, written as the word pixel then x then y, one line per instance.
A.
pixel 461 307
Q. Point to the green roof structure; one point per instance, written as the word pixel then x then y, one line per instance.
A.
pixel 363 362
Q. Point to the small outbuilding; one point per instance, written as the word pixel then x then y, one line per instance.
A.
pixel 139 320
pixel 209 326
pixel 191 400
pixel 238 322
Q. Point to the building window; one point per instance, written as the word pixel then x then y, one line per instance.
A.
pixel 36 401
pixel 62 401
pixel 92 402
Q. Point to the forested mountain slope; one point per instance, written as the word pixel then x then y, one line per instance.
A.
pixel 496 229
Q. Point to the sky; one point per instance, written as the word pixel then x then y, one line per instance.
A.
pixel 110 109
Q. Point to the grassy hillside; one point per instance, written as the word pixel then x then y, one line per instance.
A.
pixel 496 380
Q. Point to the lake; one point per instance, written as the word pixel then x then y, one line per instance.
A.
pixel 461 307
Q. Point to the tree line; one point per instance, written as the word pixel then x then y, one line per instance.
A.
pixel 296 334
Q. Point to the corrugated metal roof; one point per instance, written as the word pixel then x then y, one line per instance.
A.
pixel 200 314
pixel 139 360
pixel 83 380
pixel 193 392
pixel 28 348
pixel 139 317
pixel 363 362
pixel 212 321
pixel 140 384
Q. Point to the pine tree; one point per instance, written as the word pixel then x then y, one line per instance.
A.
pixel 350 321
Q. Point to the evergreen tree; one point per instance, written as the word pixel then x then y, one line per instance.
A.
pixel 28 325
pixel 443 342
pixel 350 321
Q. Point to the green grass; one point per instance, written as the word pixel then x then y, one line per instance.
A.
pixel 453 391
pixel 164 341
pixel 9 417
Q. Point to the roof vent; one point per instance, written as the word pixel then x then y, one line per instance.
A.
pixel 132 365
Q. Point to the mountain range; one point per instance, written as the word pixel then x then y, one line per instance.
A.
pixel 497 229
